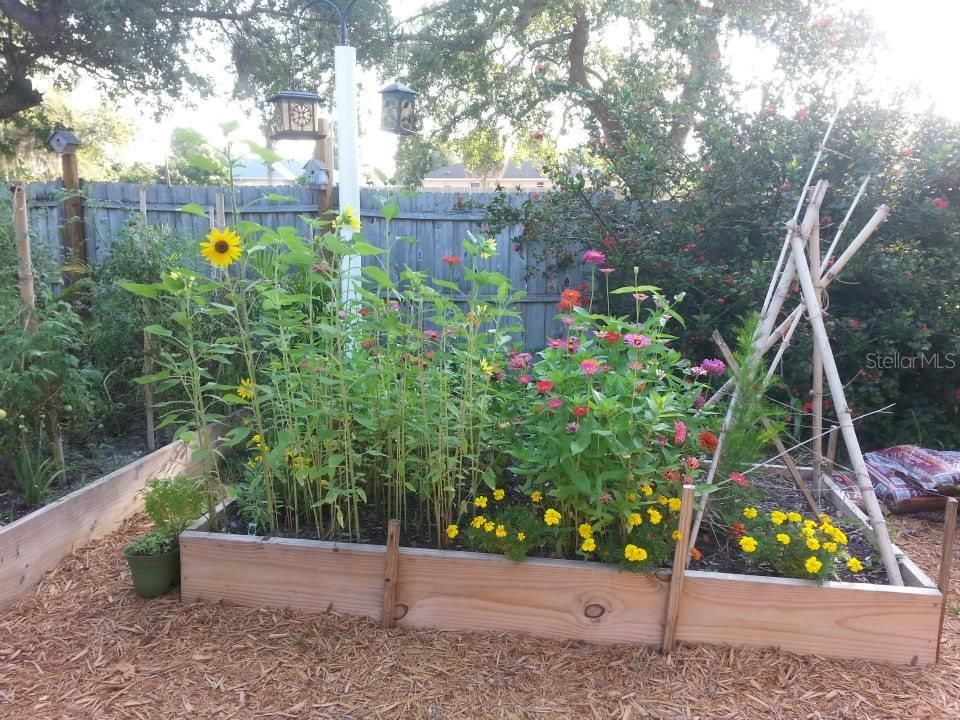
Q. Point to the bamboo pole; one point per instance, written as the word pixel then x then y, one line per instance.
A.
pixel 680 554
pixel 390 573
pixel 843 226
pixel 147 354
pixel 815 314
pixel 816 364
pixel 831 455
pixel 946 560
pixel 21 233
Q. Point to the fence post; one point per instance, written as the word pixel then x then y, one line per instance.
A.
pixel 74 240
pixel 24 262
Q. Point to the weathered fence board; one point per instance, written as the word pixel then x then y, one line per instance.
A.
pixel 439 223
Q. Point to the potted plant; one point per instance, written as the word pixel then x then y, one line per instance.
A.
pixel 154 559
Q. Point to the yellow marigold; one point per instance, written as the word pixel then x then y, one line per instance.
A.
pixel 632 497
pixel 824 518
pixel 551 517
pixel 521 536
pixel 488 526
pixel 676 535
pixel 813 565
pixel 794 517
pixel 655 516
pixel 748 544
pixel 783 538
pixel 536 496
pixel 646 490
pixel 480 502
pixel 499 494
pixel 854 565
pixel 634 553
pixel 222 248
pixel 662 500
pixel 809 524
pixel 634 520
pixel 750 513
pixel 777 517
pixel 501 531
pixel 452 531
pixel 585 530
pixel 245 389
pixel 808 532
pixel 838 536
pixel 830 547
pixel 589 545
pixel 674 504
pixel 813 543
pixel 478 521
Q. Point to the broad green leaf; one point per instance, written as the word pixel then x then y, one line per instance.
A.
pixel 194 209
pixel 158 330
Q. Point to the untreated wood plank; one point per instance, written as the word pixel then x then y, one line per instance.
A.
pixel 390 573
pixel 35 544
pixel 679 568
pixel 946 560
pixel 558 599
pixel 842 620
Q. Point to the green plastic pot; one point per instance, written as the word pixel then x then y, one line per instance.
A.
pixel 154 575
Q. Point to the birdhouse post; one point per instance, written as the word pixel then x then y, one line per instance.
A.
pixel 65 143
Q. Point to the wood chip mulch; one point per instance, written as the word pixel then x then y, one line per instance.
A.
pixel 82 645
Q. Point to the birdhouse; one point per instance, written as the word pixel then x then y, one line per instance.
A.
pixel 63 141
pixel 296 116
pixel 398 112
pixel 317 174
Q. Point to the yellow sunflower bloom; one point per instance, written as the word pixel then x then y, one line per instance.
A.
pixel 222 248
pixel 245 389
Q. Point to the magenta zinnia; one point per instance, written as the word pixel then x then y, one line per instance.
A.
pixel 594 257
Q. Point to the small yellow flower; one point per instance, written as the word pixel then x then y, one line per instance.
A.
pixel 655 516
pixel 481 501
pixel 585 530
pixel 750 513
pixel 551 517
pixel 245 389
pixel 676 535
pixel 813 543
pixel 634 553
pixel 783 538
pixel 536 496
pixel 488 248
pixel 634 520
pixel 501 531
pixel 662 500
pixel 809 524
pixel 808 532
pixel 748 544
pixel 777 517
pixel 478 521
pixel 854 565
pixel 813 565
pixel 222 248
pixel 794 517
pixel 589 545
pixel 673 504
pixel 487 368
pixel 632 497
pixel 499 494
pixel 830 547
pixel 824 518
pixel 452 531
pixel 646 490
pixel 838 536
pixel 488 526
pixel 348 218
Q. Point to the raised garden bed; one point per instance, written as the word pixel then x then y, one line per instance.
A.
pixel 565 600
pixel 36 543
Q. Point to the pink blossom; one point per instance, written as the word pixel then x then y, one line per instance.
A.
pixel 802 114
pixel 661 440
pixel 636 340
pixel 940 203
pixel 573 344
pixel 524 379
pixel 555 403
pixel 555 343
pixel 594 257
pixel 431 335
pixel 739 478
pixel 714 366
pixel 590 367
pixel 567 320
pixel 699 402
pixel 679 432
pixel 635 365
pixel 697 371
pixel 572 427
pixel 606 271
pixel 521 361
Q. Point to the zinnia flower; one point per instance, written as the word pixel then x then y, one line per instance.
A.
pixel 940 203
pixel 572 427
pixel 524 379
pixel 544 386
pixel 739 478
pixel 451 259
pixel 521 361
pixel 636 340
pixel 714 366
pixel 590 367
pixel 594 257
pixel 569 299
pixel 606 271
pixel 222 248
pixel 679 432
pixel 555 403
pixel 580 411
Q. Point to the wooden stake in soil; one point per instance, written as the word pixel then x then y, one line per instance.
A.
pixel 21 226
pixel 390 573
pixel 147 352
pixel 831 457
pixel 816 399
pixel 946 560
pixel 680 553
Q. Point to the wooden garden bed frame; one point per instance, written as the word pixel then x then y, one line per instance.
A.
pixel 568 600
pixel 36 543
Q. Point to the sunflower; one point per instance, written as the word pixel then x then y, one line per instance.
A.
pixel 245 389
pixel 349 218
pixel 222 248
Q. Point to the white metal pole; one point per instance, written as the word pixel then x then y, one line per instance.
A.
pixel 344 66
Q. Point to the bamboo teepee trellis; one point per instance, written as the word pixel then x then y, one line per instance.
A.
pixel 800 261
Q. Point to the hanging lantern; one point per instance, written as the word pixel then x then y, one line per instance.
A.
pixel 296 116
pixel 399 111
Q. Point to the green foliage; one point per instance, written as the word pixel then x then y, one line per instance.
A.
pixel 152 544
pixel 193 161
pixel 173 503
pixel 34 474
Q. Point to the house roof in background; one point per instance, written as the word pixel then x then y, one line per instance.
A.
pixel 525 169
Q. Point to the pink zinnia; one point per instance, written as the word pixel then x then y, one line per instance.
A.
pixel 606 271
pixel 739 478
pixel 714 366
pixel 555 343
pixel 555 403
pixel 524 379
pixel 572 427
pixel 679 432
pixel 594 257
pixel 521 361
pixel 567 320
pixel 940 203
pixel 580 411
pixel 636 340
pixel 573 344
pixel 544 386
pixel 590 367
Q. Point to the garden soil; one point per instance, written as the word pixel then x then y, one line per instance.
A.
pixel 83 646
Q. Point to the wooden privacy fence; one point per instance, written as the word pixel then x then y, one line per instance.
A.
pixel 438 221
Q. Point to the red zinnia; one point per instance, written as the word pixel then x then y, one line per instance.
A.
pixel 671 475
pixel 544 386
pixel 738 530
pixel 708 441
pixel 569 299
pixel 740 479
pixel 580 411
pixel 451 259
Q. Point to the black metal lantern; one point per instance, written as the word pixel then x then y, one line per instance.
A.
pixel 399 109
pixel 296 116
